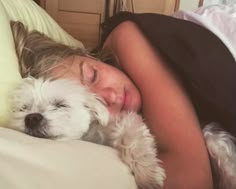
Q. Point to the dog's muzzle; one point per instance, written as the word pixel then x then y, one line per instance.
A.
pixel 33 120
pixel 35 125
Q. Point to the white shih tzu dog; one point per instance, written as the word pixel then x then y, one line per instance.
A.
pixel 64 110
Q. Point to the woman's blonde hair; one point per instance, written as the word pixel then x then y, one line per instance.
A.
pixel 38 54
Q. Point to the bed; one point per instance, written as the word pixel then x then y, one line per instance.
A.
pixel 31 163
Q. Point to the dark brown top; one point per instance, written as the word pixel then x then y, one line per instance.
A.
pixel 200 59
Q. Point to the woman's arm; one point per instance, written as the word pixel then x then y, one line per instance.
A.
pixel 166 108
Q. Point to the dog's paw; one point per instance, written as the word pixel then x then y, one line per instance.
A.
pixel 136 146
pixel 149 178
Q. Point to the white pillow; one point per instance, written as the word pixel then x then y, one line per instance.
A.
pixel 31 163
pixel 35 18
pixel 9 74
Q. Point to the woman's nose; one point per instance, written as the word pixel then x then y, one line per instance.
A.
pixel 108 94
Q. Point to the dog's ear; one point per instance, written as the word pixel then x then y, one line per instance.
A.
pixel 98 110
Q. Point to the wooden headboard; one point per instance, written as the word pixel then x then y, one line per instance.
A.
pixel 82 18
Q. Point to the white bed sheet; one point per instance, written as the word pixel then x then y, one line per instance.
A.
pixel 212 2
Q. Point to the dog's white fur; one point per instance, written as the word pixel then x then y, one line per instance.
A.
pixel 69 111
pixel 222 150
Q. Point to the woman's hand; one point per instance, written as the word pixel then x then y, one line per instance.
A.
pixel 166 109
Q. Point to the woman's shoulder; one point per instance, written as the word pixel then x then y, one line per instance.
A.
pixel 114 21
pixel 111 23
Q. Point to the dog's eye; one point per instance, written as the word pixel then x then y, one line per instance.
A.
pixel 60 104
pixel 23 108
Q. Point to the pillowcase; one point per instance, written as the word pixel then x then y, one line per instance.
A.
pixel 9 74
pixel 35 18
pixel 33 163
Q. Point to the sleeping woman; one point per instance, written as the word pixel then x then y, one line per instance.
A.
pixel 178 75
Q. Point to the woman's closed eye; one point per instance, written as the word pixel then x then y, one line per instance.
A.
pixel 88 73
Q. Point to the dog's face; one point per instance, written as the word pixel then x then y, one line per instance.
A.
pixel 58 109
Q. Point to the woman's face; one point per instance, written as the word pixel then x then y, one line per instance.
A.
pixel 108 82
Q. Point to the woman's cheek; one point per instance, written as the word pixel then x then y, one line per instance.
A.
pixel 113 111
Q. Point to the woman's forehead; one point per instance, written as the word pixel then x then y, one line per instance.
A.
pixel 68 68
pixel 71 67
pixel 88 59
pixel 71 64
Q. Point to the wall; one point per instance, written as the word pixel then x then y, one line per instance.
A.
pixel 188 4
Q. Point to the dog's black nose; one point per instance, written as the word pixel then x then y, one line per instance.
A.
pixel 33 120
